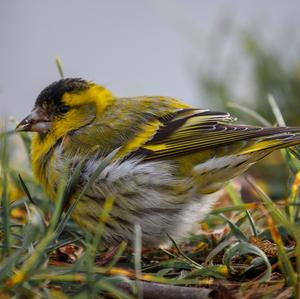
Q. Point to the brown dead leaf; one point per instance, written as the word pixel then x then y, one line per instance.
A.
pixel 269 248
pixel 69 253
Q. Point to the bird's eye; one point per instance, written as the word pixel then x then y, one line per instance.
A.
pixel 64 109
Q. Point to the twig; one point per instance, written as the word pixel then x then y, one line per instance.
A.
pixel 156 290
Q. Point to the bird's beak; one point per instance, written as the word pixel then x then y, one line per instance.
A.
pixel 36 121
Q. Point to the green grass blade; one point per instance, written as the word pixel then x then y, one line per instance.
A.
pixel 118 254
pixel 276 111
pixel 273 209
pixel 235 230
pixel 8 264
pixel 234 195
pixel 26 190
pixel 138 258
pixel 244 248
pixel 215 271
pixel 184 256
pixel 4 196
pixel 215 251
pixel 251 113
pixel 59 67
pixel 242 207
pixel 113 290
pixel 252 224
pixel 283 257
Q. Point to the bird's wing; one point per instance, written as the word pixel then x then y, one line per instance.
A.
pixel 190 130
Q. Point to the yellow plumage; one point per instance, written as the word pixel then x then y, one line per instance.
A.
pixel 171 156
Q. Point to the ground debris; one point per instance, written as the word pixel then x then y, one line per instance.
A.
pixel 269 248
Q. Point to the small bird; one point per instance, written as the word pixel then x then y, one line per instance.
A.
pixel 172 157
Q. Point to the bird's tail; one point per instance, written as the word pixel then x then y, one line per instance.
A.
pixel 286 137
pixel 212 174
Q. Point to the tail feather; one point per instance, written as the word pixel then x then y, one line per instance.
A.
pixel 212 174
pixel 274 142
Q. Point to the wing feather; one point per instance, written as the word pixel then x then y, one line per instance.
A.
pixel 191 130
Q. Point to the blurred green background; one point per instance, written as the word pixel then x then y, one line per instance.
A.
pixel 270 75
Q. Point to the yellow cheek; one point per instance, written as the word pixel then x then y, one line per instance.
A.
pixel 71 121
pixel 76 118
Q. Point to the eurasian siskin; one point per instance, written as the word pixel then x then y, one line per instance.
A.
pixel 172 157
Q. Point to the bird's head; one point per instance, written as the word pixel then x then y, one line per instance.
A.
pixel 64 106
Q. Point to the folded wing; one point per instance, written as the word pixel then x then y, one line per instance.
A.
pixel 189 130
